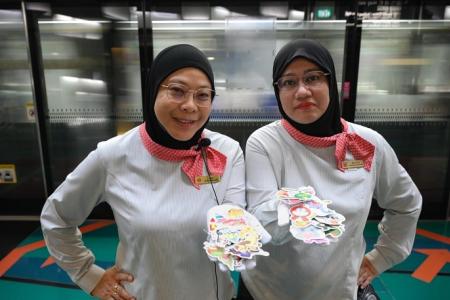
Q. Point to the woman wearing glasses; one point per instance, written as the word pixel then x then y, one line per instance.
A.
pixel 345 163
pixel 156 178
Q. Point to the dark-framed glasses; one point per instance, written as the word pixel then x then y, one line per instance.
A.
pixel 179 92
pixel 312 79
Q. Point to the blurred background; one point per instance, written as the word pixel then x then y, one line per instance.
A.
pixel 72 75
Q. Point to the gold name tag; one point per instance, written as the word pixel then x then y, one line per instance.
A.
pixel 207 179
pixel 352 164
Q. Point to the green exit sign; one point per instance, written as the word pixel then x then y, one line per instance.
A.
pixel 323 13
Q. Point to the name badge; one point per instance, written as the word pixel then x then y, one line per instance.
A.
pixel 352 164
pixel 207 179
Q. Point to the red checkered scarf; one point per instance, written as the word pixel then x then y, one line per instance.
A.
pixel 360 148
pixel 192 159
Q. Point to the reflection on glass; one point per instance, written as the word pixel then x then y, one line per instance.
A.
pixel 403 89
pixel 18 132
pixel 241 50
pixel 92 74
pixel 15 91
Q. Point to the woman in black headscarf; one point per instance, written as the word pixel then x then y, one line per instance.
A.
pixel 153 177
pixel 314 151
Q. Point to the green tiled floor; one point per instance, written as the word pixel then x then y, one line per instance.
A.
pixel 27 280
pixel 11 290
pixel 397 283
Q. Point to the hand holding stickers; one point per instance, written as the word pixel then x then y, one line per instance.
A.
pixel 311 220
pixel 234 237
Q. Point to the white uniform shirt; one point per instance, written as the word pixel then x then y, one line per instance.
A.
pixel 160 216
pixel 295 270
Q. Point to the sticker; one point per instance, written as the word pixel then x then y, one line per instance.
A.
pixel 301 210
pixel 308 233
pixel 334 233
pixel 233 235
pixel 319 208
pixel 8 174
pixel 311 220
pixel 207 179
pixel 324 241
pixel 301 223
pixel 334 219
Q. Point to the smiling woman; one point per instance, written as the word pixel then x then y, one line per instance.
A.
pixel 181 114
pixel 173 118
pixel 149 177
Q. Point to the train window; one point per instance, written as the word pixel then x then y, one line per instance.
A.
pixel 92 75
pixel 403 90
pixel 19 147
pixel 241 41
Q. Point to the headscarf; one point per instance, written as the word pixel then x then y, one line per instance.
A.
pixel 329 123
pixel 329 129
pixel 165 63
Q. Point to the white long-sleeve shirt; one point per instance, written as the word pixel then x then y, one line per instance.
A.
pixel 295 270
pixel 160 216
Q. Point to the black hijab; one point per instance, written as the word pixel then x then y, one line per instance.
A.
pixel 165 63
pixel 329 123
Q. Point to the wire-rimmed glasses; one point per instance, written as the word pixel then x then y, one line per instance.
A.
pixel 178 92
pixel 312 79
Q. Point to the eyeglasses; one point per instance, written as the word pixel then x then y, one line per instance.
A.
pixel 311 79
pixel 178 92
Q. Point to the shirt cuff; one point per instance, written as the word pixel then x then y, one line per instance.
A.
pixel 378 261
pixel 89 280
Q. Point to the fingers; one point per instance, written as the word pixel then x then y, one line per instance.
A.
pixel 371 268
pixel 283 214
pixel 365 282
pixel 367 273
pixel 110 285
pixel 122 276
pixel 367 267
pixel 120 293
pixel 265 236
pixel 364 279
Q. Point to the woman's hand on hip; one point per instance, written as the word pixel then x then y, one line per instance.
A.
pixel 367 273
pixel 110 285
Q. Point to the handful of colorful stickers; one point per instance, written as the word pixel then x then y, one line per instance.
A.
pixel 234 236
pixel 310 218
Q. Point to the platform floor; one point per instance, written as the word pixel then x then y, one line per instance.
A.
pixel 26 272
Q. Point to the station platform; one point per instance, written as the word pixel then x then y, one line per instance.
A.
pixel 26 270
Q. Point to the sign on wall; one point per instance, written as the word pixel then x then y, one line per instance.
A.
pixel 8 174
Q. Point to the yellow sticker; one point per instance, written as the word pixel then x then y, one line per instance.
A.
pixel 8 174
pixel 352 164
pixel 207 179
pixel 31 113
